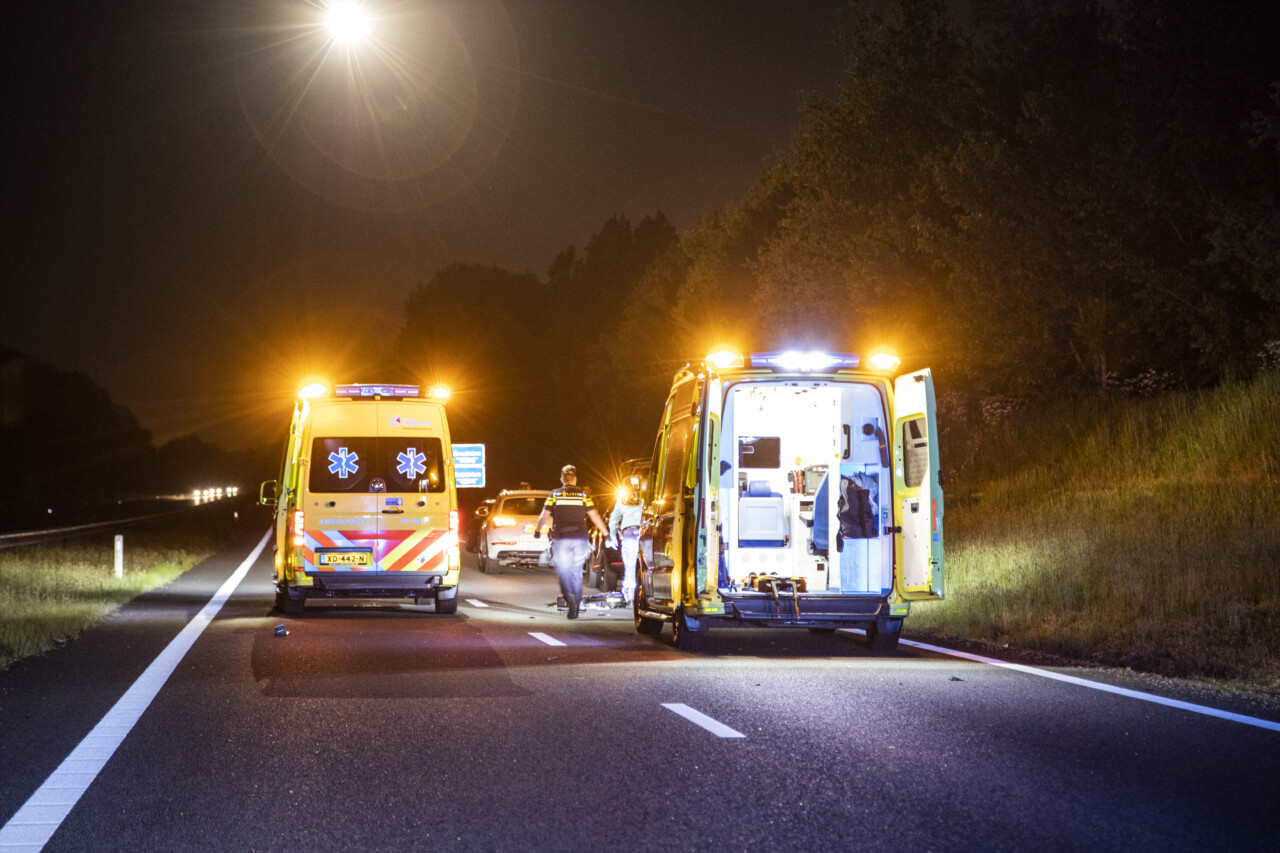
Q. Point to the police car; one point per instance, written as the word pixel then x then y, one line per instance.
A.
pixel 507 539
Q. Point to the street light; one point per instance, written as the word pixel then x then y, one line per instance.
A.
pixel 347 21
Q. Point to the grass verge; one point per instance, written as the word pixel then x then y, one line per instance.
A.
pixel 1136 533
pixel 51 592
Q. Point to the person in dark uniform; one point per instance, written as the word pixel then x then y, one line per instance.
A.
pixel 569 509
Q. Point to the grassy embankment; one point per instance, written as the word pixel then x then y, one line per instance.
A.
pixel 1143 533
pixel 55 590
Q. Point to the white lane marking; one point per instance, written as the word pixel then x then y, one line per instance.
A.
pixel 716 727
pixel 34 824
pixel 1098 685
pixel 550 641
pixel 475 602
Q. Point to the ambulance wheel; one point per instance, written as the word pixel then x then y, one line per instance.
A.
pixel 686 639
pixel 882 642
pixel 590 579
pixel 447 605
pixel 645 624
pixel 290 601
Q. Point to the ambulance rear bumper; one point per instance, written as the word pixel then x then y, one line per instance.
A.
pixel 374 584
pixel 804 610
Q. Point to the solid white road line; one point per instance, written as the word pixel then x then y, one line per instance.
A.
pixel 550 641
pixel 34 824
pixel 475 602
pixel 697 717
pixel 1098 685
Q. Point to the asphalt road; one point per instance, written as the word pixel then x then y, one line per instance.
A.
pixel 383 726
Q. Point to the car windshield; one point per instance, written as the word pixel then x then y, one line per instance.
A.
pixel 365 464
pixel 522 506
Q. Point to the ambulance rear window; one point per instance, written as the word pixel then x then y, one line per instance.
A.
pixel 522 506
pixel 915 452
pixel 363 464
pixel 762 451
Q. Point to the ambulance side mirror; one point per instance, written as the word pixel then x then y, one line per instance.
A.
pixel 267 493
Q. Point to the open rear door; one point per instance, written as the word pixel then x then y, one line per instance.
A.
pixel 707 546
pixel 920 573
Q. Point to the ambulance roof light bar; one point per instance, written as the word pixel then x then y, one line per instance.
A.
pixel 388 391
pixel 804 362
pixel 886 361
pixel 724 358
pixel 315 389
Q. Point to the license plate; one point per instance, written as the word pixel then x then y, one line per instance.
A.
pixel 345 558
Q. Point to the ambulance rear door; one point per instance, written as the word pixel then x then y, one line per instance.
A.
pixel 340 503
pixel 919 504
pixel 707 506
pixel 413 490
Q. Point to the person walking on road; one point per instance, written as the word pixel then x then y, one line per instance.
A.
pixel 624 531
pixel 568 509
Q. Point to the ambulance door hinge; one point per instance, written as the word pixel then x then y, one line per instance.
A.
pixel 891 529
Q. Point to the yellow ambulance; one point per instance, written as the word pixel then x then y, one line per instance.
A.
pixel 792 489
pixel 365 502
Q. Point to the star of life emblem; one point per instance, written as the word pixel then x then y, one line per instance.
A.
pixel 412 463
pixel 343 463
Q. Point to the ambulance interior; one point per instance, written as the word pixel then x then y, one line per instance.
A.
pixel 804 488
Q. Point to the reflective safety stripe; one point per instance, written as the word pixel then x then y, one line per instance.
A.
pixel 400 550
pixel 421 550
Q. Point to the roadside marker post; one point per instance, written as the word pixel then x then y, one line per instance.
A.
pixel 119 557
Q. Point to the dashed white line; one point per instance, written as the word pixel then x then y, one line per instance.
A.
pixel 1098 685
pixel 475 602
pixel 716 727
pixel 34 824
pixel 550 641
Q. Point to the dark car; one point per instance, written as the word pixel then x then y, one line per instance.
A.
pixel 477 524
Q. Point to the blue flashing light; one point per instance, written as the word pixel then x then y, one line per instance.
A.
pixel 376 390
pixel 804 362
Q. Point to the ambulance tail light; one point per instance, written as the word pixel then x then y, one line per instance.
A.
pixel 503 521
pixel 299 528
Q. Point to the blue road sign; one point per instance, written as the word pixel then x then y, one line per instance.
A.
pixel 468 466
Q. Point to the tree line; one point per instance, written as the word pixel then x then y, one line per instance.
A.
pixel 67 450
pixel 1051 199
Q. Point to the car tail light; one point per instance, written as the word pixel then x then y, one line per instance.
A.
pixel 299 528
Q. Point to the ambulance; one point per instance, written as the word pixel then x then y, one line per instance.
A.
pixel 792 489
pixel 365 502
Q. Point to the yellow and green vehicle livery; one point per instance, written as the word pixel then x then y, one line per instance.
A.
pixel 793 489
pixel 365 500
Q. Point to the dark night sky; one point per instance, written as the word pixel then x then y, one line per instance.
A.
pixel 186 219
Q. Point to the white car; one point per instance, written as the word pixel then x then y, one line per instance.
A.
pixel 507 537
